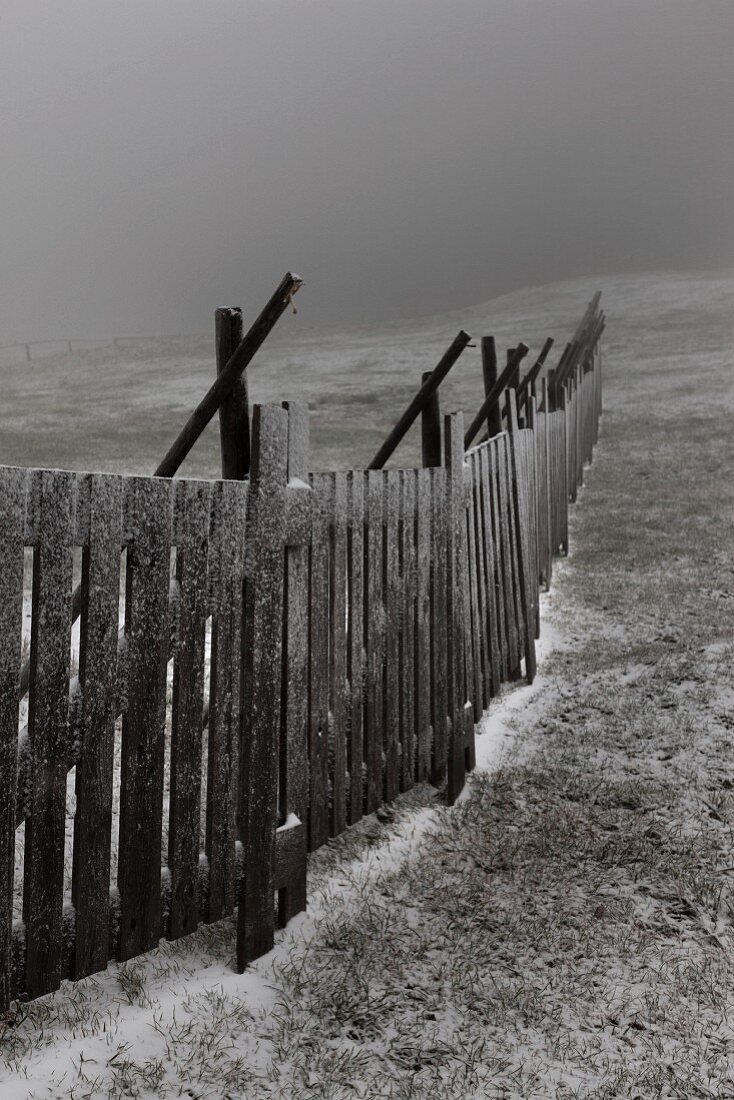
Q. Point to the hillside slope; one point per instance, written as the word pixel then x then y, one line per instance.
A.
pixel 119 408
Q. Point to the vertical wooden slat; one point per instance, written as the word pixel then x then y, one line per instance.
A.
pixel 391 701
pixel 439 626
pixel 356 669
pixel 90 889
pixel 191 522
pixel 476 514
pixel 338 656
pixel 423 692
pixel 12 501
pixel 520 488
pixel 143 726
pixel 407 677
pixel 263 651
pixel 509 570
pixel 375 630
pixel 495 518
pixel 457 603
pixel 489 554
pixel 318 648
pixel 475 592
pixel 227 558
pixel 563 452
pixel 48 700
pixel 294 720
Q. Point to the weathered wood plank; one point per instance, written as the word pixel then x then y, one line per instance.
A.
pixel 228 549
pixel 520 489
pixel 48 704
pixel 356 644
pixel 90 888
pixel 489 554
pixel 375 639
pixel 148 514
pixel 338 656
pixel 319 802
pixel 439 626
pixel 263 653
pixel 457 604
pixel 475 592
pixel 407 671
pixel 192 512
pixel 12 504
pixel 423 667
pixel 293 789
pixel 495 519
pixel 509 570
pixel 393 611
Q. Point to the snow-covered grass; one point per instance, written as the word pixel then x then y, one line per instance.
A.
pixel 566 929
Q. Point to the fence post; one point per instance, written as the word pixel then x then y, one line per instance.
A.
pixel 234 412
pixel 262 661
pixel 489 372
pixel 461 737
pixel 431 427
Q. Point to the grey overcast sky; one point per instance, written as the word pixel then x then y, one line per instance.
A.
pixel 163 157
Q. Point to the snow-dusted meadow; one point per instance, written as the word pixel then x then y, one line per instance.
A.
pixel 566 930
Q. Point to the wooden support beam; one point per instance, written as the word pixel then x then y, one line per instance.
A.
pixel 494 395
pixel 421 399
pixel 225 382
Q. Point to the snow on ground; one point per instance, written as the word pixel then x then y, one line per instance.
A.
pixel 566 929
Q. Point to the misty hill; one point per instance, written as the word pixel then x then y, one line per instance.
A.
pixel 119 408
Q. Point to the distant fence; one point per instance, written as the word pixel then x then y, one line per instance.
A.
pixel 29 351
pixel 296 649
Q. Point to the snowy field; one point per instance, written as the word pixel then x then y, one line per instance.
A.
pixel 566 930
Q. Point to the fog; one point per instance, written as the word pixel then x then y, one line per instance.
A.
pixel 404 156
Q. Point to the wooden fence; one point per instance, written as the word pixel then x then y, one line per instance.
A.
pixel 266 661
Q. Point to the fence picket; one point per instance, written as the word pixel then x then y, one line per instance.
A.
pixel 262 653
pixel 191 523
pixel 356 644
pixel 12 501
pixel 48 729
pixel 90 890
pixel 148 508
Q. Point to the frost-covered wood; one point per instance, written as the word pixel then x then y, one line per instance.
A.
pixel 407 668
pixel 143 726
pixel 48 730
pixel 191 517
pixel 293 785
pixel 319 812
pixel 375 640
pixel 356 644
pixel 423 625
pixel 100 595
pixel 227 537
pixel 262 657
pixel 12 502
pixel 391 712
pixel 338 655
